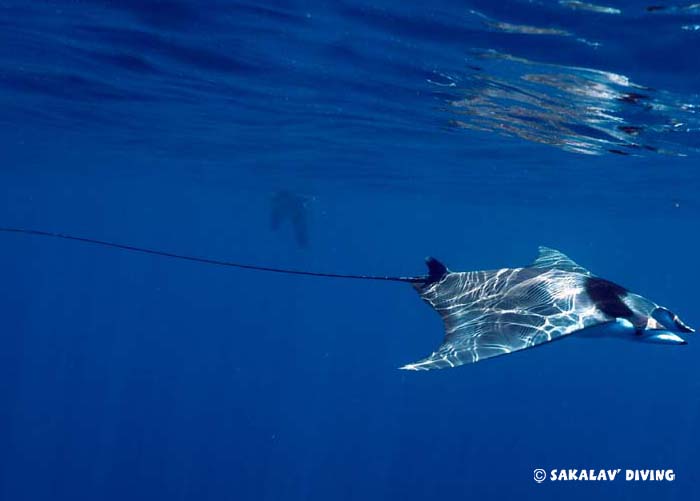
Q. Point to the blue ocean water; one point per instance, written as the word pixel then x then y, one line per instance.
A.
pixel 471 131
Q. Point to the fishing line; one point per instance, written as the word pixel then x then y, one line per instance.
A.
pixel 204 260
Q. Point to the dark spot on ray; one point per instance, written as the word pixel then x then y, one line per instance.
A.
pixel 618 152
pixel 607 297
pixel 654 8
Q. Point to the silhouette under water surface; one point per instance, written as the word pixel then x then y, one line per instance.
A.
pixel 291 209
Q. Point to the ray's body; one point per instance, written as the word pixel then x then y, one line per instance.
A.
pixel 496 312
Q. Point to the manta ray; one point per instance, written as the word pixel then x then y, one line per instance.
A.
pixel 491 313
pixel 496 312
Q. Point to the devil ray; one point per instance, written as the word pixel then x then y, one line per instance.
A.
pixel 496 312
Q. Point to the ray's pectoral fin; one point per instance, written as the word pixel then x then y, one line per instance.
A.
pixel 552 258
pixel 480 342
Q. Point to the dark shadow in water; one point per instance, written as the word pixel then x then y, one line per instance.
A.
pixel 291 208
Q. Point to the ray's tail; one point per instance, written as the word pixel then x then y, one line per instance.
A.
pixel 204 260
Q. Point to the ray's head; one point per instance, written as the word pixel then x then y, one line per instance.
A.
pixel 664 327
pixel 663 318
pixel 646 320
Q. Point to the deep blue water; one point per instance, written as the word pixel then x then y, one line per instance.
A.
pixel 472 131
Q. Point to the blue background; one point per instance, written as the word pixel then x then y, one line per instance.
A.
pixel 171 125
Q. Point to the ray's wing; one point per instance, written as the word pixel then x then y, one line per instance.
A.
pixel 552 258
pixel 492 313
